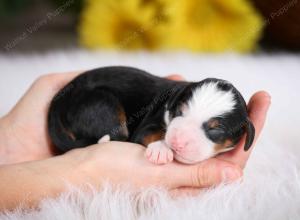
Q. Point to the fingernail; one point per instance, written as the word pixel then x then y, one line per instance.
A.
pixel 230 174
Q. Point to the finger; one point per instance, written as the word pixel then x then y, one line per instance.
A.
pixel 175 77
pixel 205 174
pixel 258 107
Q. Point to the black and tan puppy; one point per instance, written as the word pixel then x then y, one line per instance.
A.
pixel 188 121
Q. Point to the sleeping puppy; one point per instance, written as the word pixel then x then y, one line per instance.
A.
pixel 188 121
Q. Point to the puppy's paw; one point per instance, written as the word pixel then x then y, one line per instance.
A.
pixel 158 153
pixel 104 139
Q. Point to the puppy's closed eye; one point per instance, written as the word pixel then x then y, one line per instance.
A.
pixel 217 135
pixel 214 131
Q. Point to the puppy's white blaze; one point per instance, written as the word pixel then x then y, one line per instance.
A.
pixel 209 101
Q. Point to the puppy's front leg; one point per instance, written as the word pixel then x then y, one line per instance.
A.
pixel 152 137
pixel 159 153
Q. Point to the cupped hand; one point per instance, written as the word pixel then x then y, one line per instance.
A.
pixel 27 137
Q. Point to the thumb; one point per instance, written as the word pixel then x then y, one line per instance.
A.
pixel 205 174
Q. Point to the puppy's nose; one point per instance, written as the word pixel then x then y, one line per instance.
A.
pixel 178 144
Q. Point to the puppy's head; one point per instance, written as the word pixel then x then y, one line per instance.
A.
pixel 206 118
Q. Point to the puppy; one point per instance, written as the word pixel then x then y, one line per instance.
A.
pixel 188 121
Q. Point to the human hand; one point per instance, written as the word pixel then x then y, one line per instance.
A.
pixel 27 127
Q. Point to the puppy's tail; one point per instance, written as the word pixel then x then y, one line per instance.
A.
pixel 63 139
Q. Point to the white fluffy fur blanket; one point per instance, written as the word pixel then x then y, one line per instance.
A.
pixel 270 188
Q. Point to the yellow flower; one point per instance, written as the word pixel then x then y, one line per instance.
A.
pixel 122 24
pixel 199 25
pixel 214 25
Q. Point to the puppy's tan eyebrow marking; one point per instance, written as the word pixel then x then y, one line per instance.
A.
pixel 227 144
pixel 213 123
pixel 148 139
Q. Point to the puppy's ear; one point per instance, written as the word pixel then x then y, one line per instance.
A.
pixel 250 134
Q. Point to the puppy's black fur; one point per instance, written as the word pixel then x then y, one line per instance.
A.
pixel 129 104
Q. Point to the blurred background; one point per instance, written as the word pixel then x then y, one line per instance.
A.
pixel 212 26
